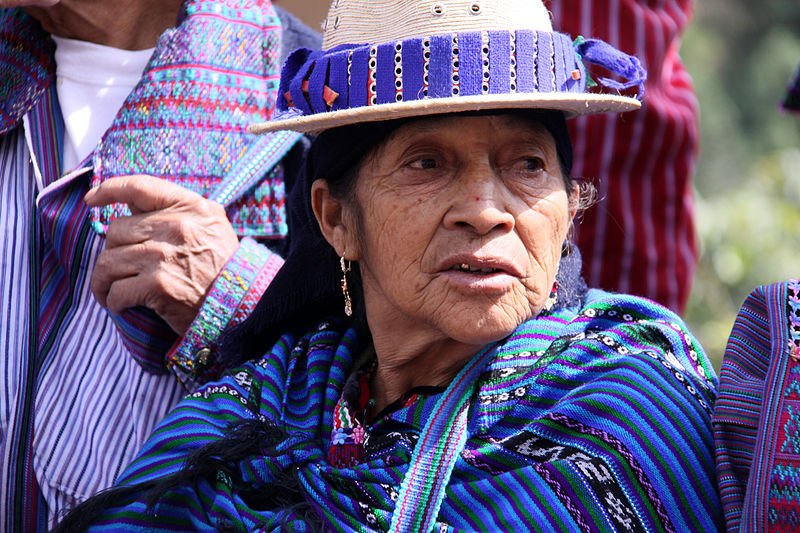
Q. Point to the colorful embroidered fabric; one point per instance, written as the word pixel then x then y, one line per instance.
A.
pixel 592 419
pixel 49 459
pixel 757 417
pixel 247 273
pixel 350 424
pixel 186 121
pixel 27 67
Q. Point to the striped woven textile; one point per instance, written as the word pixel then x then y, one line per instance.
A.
pixel 590 419
pixel 640 237
pixel 757 416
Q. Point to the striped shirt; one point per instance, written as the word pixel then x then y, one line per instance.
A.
pixel 640 238
pixel 85 430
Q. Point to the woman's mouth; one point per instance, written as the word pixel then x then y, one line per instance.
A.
pixel 463 267
pixel 482 275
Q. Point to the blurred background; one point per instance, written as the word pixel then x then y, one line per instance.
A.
pixel 742 55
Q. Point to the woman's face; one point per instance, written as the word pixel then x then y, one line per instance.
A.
pixel 458 224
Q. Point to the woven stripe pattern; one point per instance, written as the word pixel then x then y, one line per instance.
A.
pixel 592 419
pixel 757 418
pixel 438 66
pixel 186 120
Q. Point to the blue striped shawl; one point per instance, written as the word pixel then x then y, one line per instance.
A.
pixel 596 419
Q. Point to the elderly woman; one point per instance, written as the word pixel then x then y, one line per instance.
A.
pixel 433 359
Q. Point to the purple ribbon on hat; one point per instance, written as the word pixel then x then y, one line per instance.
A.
pixel 629 67
pixel 447 66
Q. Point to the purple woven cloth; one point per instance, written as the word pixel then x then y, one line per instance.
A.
pixel 26 66
pixel 757 413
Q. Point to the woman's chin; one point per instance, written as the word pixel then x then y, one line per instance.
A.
pixel 482 327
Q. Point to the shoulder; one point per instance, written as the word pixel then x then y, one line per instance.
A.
pixel 635 327
pixel 628 380
pixel 615 345
pixel 757 403
pixel 768 315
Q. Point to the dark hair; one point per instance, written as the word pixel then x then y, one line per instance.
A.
pixel 242 439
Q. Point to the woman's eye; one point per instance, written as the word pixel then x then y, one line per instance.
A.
pixel 424 163
pixel 532 164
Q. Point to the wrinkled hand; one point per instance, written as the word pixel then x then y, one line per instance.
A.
pixel 166 255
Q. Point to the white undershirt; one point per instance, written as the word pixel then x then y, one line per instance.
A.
pixel 92 83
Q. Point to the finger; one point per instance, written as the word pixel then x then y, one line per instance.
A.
pixel 127 293
pixel 125 262
pixel 142 193
pixel 134 229
pixel 146 290
pixel 114 265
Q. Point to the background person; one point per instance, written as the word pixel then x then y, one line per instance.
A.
pixel 84 98
pixel 641 236
pixel 434 359
pixel 758 410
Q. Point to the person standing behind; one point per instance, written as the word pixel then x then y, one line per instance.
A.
pixel 757 414
pixel 80 388
pixel 641 237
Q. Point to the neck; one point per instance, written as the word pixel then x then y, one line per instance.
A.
pixel 124 24
pixel 411 357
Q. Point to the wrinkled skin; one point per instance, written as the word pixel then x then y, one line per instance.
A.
pixel 164 257
pixel 125 24
pixel 486 192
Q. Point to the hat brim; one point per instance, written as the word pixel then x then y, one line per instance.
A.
pixel 570 103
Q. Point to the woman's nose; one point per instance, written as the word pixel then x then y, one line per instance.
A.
pixel 478 202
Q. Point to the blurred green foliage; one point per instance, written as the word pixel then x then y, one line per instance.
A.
pixel 742 55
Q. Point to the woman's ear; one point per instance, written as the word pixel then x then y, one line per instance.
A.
pixel 334 221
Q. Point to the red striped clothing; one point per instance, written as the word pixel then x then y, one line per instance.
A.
pixel 640 238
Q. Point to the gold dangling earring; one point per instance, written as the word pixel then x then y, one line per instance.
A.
pixel 348 303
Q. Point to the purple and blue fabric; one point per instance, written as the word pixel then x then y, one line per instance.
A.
pixel 757 416
pixel 444 66
pixel 596 417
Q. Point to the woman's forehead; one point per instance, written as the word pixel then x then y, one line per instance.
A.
pixel 457 125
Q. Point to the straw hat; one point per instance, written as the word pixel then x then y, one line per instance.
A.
pixel 390 59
